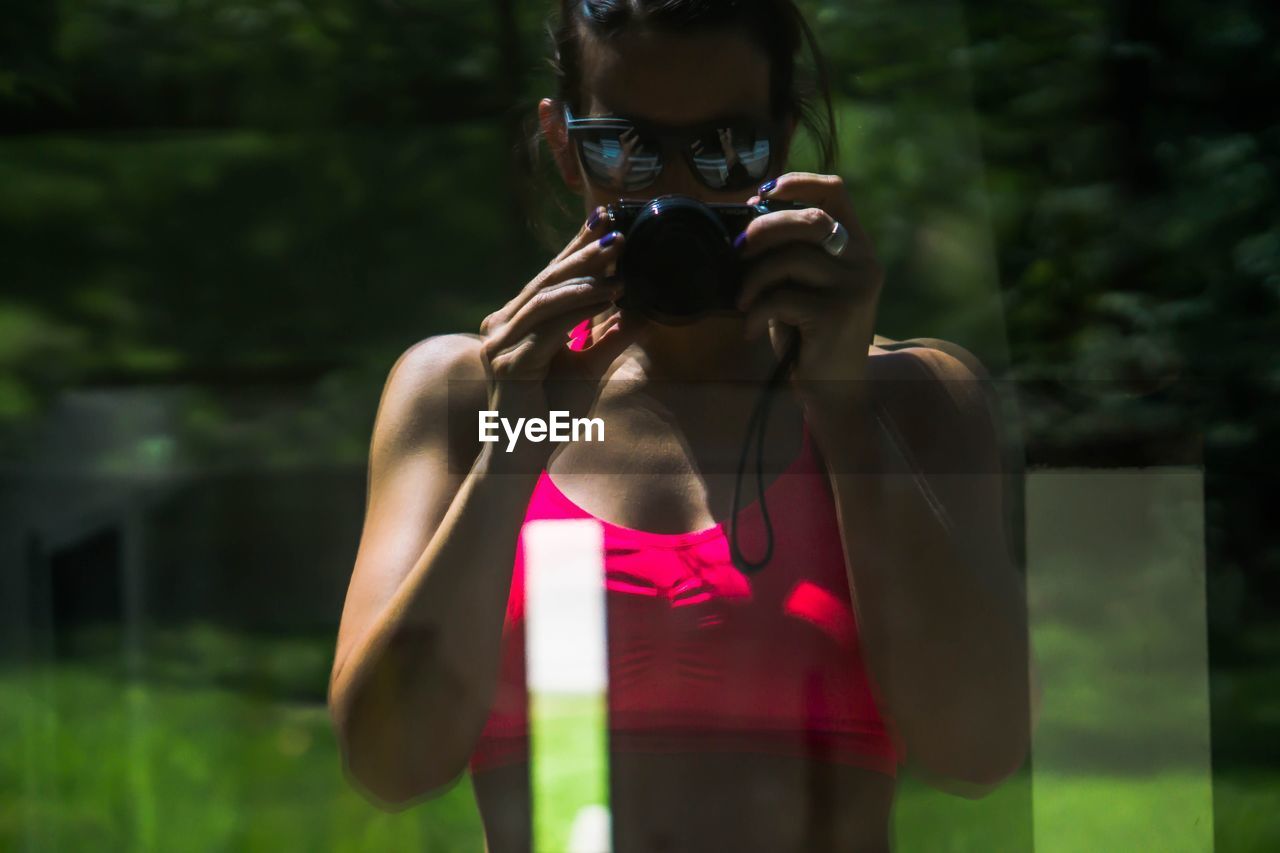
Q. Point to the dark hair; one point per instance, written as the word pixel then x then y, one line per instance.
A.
pixel 776 26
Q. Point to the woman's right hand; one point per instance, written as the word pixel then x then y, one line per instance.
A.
pixel 524 336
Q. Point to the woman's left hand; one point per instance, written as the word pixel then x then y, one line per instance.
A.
pixel 829 301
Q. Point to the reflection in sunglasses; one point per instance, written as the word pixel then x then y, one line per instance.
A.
pixel 626 155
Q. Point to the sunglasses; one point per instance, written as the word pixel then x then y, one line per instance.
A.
pixel 622 154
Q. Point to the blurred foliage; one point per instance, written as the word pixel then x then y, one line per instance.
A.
pixel 288 193
pixel 290 667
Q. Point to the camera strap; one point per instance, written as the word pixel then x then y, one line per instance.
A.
pixel 756 426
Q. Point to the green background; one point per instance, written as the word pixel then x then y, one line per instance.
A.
pixel 221 221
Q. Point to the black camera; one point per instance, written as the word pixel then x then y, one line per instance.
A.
pixel 678 261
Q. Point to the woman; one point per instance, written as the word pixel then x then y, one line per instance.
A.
pixel 762 711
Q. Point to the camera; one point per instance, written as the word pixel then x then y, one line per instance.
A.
pixel 678 260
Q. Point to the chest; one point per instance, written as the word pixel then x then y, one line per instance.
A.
pixel 694 640
pixel 647 476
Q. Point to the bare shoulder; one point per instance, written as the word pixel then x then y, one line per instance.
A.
pixel 451 356
pixel 930 387
pixel 432 383
pixel 926 358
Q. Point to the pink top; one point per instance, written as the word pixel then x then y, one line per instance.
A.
pixel 702 657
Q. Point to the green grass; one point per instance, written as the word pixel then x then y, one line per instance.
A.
pixel 1169 811
pixel 208 753
pixel 569 751
pixel 101 766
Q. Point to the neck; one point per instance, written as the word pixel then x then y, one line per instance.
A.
pixel 712 348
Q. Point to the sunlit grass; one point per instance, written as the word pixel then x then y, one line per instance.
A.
pixel 1168 811
pixel 569 751
pixel 207 763
pixel 99 766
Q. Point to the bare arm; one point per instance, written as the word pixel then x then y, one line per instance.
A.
pixel 937 598
pixel 418 647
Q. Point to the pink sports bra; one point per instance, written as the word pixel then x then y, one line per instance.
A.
pixel 702 657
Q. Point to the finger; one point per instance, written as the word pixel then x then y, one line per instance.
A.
pixel 763 233
pixel 588 333
pixel 803 263
pixel 587 232
pixel 826 191
pixel 530 357
pixel 592 228
pixel 603 324
pixel 554 302
pixel 615 336
pixel 619 333
pixel 551 336
pixel 598 257
pixel 603 327
pixel 797 306
pixel 590 258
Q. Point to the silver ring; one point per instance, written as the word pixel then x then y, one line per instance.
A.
pixel 835 242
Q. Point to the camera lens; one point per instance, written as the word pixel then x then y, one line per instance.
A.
pixel 677 260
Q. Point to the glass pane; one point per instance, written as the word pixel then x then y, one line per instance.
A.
pixel 264 587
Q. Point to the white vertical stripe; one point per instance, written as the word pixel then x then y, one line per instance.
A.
pixel 565 606
pixel 567 661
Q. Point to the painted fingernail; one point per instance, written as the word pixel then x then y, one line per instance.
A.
pixel 594 219
pixel 608 238
pixel 739 241
pixel 767 186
